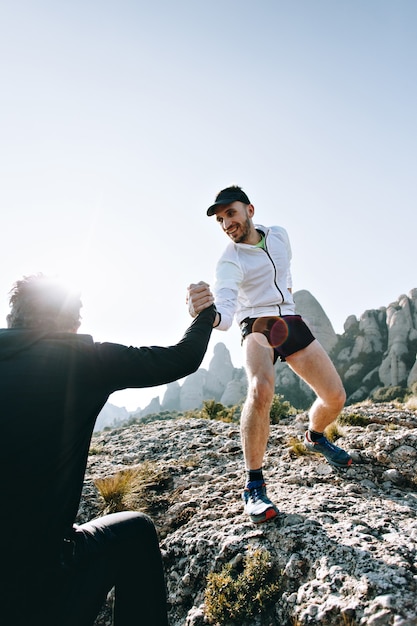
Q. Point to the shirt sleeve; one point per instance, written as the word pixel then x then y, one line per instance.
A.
pixel 148 366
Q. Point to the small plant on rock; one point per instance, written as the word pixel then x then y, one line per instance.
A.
pixel 411 403
pixel 296 447
pixel 95 450
pixel 353 419
pixel 130 489
pixel 333 432
pixel 280 408
pixel 234 596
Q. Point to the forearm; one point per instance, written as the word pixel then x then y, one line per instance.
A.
pixel 155 365
pixel 190 351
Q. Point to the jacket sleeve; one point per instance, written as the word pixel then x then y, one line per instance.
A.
pixel 124 367
pixel 228 278
pixel 289 252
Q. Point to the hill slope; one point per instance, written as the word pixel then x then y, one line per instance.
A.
pixel 344 546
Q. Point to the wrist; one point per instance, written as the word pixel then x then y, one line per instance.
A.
pixel 217 319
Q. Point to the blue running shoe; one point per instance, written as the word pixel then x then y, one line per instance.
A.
pixel 333 455
pixel 257 504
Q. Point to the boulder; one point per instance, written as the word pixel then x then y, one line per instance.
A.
pixel 234 393
pixel 171 401
pixel 220 372
pixel 343 547
pixel 192 390
pixel 313 314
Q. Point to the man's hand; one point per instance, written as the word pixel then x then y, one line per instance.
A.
pixel 199 297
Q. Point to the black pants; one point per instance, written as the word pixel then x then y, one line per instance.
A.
pixel 119 550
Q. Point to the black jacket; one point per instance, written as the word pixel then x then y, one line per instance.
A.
pixel 52 388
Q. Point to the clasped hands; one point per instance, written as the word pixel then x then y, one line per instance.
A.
pixel 199 297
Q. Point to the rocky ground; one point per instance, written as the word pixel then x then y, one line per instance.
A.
pixel 343 548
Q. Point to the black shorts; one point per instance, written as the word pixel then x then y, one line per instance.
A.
pixel 286 335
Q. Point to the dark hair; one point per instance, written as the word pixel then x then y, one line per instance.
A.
pixel 45 303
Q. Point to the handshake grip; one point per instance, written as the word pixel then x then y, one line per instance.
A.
pixel 199 297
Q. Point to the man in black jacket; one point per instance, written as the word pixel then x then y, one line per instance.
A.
pixel 53 384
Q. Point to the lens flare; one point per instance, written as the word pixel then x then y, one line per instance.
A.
pixel 274 328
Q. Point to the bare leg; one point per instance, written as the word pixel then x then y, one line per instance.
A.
pixel 255 424
pixel 314 366
pixel 255 414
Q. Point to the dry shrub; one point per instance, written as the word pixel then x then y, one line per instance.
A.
pixel 131 488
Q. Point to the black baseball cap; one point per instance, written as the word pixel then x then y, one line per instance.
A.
pixel 227 196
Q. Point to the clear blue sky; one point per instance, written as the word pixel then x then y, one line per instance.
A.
pixel 120 121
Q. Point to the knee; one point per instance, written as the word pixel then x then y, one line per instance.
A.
pixel 138 525
pixel 128 527
pixel 336 399
pixel 261 392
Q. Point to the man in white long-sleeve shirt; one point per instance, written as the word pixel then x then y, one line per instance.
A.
pixel 253 285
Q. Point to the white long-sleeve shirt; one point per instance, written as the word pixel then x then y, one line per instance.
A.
pixel 254 282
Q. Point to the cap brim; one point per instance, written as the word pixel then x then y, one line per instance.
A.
pixel 212 209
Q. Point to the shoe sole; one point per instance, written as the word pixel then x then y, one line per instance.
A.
pixel 348 464
pixel 266 516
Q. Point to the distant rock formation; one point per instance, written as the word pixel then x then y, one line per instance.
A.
pixel 111 416
pixel 220 373
pixel 315 317
pixel 287 383
pixel 378 350
pixel 171 399
pixel 192 390
pixel 221 382
pixel 401 319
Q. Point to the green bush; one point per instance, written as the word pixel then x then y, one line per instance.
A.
pixel 353 419
pixel 217 411
pixel 236 597
pixel 388 394
pixel 280 408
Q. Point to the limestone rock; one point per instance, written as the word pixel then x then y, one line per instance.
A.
pixel 234 393
pixel 192 390
pixel 313 314
pixel 154 406
pixel 377 350
pixel 110 416
pixel 220 372
pixel 289 385
pixel 395 368
pixel 171 401
pixel 412 377
pixel 344 544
